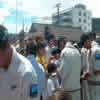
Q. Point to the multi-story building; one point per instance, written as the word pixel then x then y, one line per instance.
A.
pixel 96 28
pixel 96 25
pixel 77 16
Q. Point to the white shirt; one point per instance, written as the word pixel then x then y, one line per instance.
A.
pixel 52 85
pixel 70 68
pixel 48 52
pixel 88 62
pixel 16 81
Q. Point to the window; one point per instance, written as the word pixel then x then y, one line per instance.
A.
pixel 80 13
pixel 68 20
pixel 80 20
pixel 85 14
pixel 84 20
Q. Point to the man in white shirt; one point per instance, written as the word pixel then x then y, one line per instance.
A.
pixel 18 79
pixel 51 44
pixel 95 48
pixel 85 70
pixel 70 70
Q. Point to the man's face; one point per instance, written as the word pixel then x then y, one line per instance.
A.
pixel 88 44
pixel 57 56
pixel 3 58
pixel 62 44
pixel 92 37
pixel 52 42
pixel 42 51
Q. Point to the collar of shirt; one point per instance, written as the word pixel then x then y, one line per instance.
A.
pixel 69 45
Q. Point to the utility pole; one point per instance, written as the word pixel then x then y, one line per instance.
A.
pixel 16 15
pixel 58 12
pixel 23 24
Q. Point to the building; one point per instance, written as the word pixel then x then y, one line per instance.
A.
pixel 96 25
pixel 96 28
pixel 71 33
pixel 78 16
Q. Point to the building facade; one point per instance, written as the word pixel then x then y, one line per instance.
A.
pixel 96 25
pixel 71 33
pixel 96 28
pixel 78 16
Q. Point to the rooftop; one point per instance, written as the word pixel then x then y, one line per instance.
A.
pixel 69 9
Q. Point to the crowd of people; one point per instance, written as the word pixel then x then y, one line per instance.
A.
pixel 49 69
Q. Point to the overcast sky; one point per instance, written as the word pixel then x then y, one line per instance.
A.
pixel 36 9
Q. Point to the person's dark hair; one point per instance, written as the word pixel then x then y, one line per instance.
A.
pixel 84 38
pixel 38 38
pixel 92 34
pixel 31 48
pixel 61 39
pixel 60 94
pixel 3 37
pixel 55 51
pixel 51 68
pixel 40 45
pixel 50 37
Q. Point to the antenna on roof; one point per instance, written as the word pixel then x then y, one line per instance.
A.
pixel 58 5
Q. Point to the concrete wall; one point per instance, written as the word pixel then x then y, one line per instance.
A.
pixel 60 31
